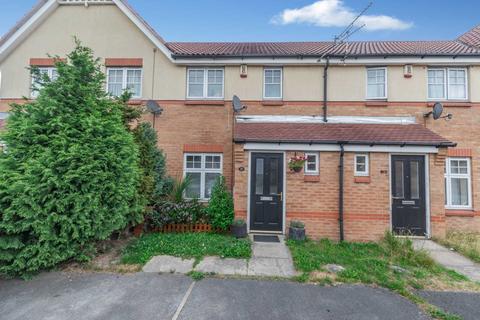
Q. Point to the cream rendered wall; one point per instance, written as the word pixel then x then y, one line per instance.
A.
pixel 249 88
pixel 106 30
pixel 303 83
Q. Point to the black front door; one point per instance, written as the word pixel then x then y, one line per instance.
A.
pixel 266 197
pixel 408 195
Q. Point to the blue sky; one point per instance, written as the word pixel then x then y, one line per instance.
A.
pixel 291 20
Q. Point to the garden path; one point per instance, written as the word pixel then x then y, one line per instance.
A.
pixel 449 259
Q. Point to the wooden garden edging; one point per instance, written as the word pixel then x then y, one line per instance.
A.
pixel 179 228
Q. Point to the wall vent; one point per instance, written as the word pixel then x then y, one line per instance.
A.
pixel 408 71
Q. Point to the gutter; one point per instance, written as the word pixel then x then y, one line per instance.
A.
pixel 368 143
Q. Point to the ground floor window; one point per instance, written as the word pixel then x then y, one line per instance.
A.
pixel 202 170
pixel 311 165
pixel 458 183
pixel 361 165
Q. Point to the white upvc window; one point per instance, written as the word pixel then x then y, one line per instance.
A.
pixel 272 83
pixel 123 79
pixel 203 170
pixel 377 83
pixel 205 83
pixel 447 83
pixel 458 185
pixel 361 165
pixel 312 163
pixel 52 74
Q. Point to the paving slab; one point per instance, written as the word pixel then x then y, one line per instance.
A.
pixel 271 267
pixel 449 259
pixel 270 250
pixel 93 296
pixel 464 304
pixel 252 299
pixel 169 264
pixel 227 266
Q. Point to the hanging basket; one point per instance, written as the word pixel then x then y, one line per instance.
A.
pixel 296 163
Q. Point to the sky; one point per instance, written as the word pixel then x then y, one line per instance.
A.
pixel 291 20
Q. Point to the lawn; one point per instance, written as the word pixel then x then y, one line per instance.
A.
pixel 391 263
pixel 466 243
pixel 185 245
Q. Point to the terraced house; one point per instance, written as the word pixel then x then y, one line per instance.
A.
pixel 361 112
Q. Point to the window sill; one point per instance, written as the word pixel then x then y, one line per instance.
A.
pixel 362 179
pixel 452 104
pixel 459 213
pixel 205 102
pixel 376 103
pixel 311 178
pixel 272 102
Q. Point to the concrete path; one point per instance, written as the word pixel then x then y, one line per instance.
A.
pixel 449 259
pixel 268 260
pixel 95 296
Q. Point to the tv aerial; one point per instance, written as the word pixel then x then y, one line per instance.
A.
pixel 237 104
pixel 437 111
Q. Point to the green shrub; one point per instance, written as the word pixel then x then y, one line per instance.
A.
pixel 220 207
pixel 183 212
pixel 297 224
pixel 238 222
pixel 71 172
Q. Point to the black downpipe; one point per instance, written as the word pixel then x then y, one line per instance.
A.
pixel 340 193
pixel 325 87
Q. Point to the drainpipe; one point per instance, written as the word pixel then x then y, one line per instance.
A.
pixel 325 87
pixel 340 191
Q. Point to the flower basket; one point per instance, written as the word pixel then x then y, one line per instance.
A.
pixel 297 163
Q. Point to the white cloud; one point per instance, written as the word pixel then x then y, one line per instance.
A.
pixel 333 13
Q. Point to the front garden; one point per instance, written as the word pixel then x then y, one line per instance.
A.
pixel 467 243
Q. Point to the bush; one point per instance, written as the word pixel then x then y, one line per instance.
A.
pixel 220 207
pixel 183 212
pixel 71 172
pixel 297 224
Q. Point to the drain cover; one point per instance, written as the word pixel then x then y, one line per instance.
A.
pixel 262 238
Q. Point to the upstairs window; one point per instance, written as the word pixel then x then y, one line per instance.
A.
pixel 123 79
pixel 272 80
pixel 311 165
pixel 458 190
pixel 376 83
pixel 203 170
pixel 447 83
pixel 205 83
pixel 52 74
pixel 361 165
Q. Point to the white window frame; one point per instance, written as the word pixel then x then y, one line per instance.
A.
pixel 205 83
pixel 446 84
pixel 124 79
pixel 317 163
pixel 365 173
pixel 385 83
pixel 34 93
pixel 265 84
pixel 448 186
pixel 202 170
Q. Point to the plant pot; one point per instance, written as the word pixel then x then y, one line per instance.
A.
pixel 296 233
pixel 296 169
pixel 239 231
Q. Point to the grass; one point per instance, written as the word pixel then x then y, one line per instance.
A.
pixel 466 243
pixel 185 245
pixel 375 264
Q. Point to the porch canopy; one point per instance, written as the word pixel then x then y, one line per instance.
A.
pixel 409 134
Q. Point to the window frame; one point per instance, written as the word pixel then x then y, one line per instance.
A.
pixel 202 170
pixel 265 84
pixel 446 84
pixel 205 83
pixel 385 83
pixel 124 78
pixel 33 93
pixel 365 173
pixel 448 183
pixel 317 163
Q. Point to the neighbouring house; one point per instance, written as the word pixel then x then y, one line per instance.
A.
pixel 376 158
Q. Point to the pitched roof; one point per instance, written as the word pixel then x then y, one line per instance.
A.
pixel 326 133
pixel 471 37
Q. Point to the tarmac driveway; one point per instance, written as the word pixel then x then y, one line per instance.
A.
pixel 75 296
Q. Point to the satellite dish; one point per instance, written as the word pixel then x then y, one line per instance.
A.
pixel 237 104
pixel 153 107
pixel 437 110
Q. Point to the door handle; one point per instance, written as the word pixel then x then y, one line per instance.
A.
pixel 281 196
